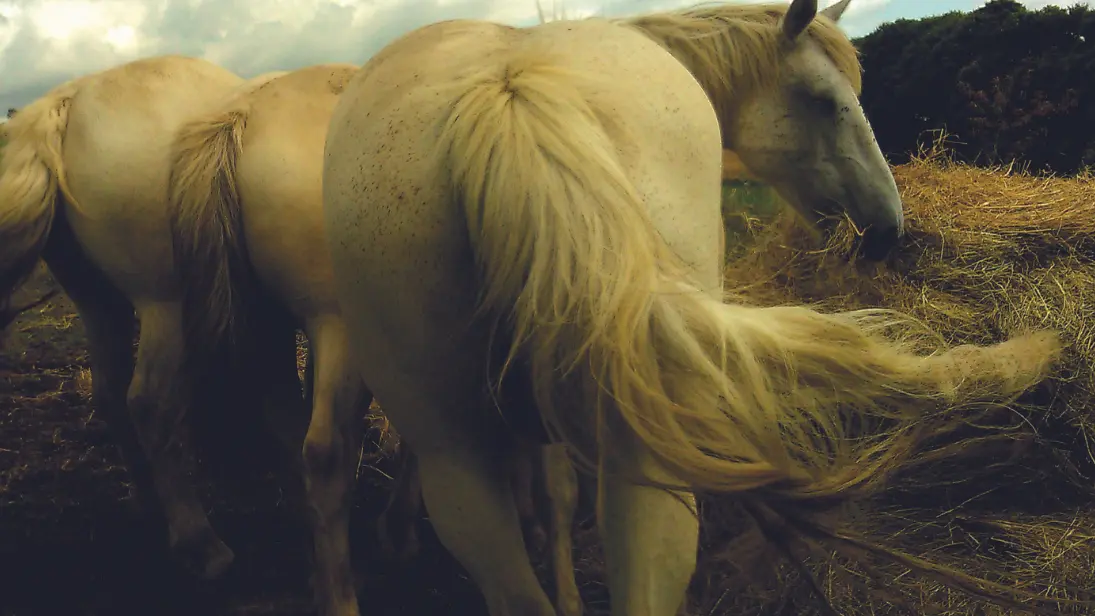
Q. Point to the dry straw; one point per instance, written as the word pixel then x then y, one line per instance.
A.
pixel 989 252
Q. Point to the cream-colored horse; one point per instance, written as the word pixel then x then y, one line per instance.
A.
pixel 550 195
pixel 246 218
pixel 83 183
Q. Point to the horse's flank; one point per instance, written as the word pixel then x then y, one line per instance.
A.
pixel 280 175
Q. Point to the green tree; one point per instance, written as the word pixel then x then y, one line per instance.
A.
pixel 1007 83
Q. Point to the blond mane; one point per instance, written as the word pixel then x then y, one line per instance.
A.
pixel 733 49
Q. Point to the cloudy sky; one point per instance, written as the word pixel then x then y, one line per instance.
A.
pixel 44 42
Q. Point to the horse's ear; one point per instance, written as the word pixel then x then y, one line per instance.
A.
pixel 834 11
pixel 798 16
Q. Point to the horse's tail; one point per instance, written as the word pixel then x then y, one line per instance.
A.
pixel 208 247
pixel 727 398
pixel 32 172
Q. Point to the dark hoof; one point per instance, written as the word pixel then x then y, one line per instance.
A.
pixel 203 555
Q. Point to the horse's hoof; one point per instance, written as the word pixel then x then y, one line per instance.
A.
pixel 204 555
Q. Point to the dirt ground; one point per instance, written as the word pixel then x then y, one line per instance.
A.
pixel 72 541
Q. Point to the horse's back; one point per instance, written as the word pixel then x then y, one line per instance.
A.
pixel 116 151
pixel 280 184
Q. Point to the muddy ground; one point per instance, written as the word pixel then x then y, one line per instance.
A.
pixel 73 543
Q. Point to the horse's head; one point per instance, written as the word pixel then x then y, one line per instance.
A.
pixel 804 132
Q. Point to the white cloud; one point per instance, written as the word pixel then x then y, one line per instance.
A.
pixel 1038 4
pixel 43 42
pixel 858 7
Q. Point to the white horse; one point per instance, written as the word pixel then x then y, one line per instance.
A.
pixel 546 200
pixel 246 222
pixel 83 183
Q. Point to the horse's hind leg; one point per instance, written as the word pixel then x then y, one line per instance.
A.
pixel 396 526
pixel 109 322
pixel 561 487
pixel 156 404
pixel 466 486
pixel 465 469
pixel 650 536
pixel 339 403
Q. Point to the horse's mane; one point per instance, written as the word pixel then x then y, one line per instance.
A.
pixel 734 47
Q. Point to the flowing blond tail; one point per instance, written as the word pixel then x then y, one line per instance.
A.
pixel 729 398
pixel 32 172
pixel 206 223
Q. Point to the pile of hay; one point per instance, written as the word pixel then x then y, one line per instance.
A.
pixel 989 253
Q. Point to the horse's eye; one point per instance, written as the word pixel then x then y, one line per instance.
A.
pixel 823 104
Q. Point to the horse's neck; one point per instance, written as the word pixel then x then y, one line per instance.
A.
pixel 702 56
